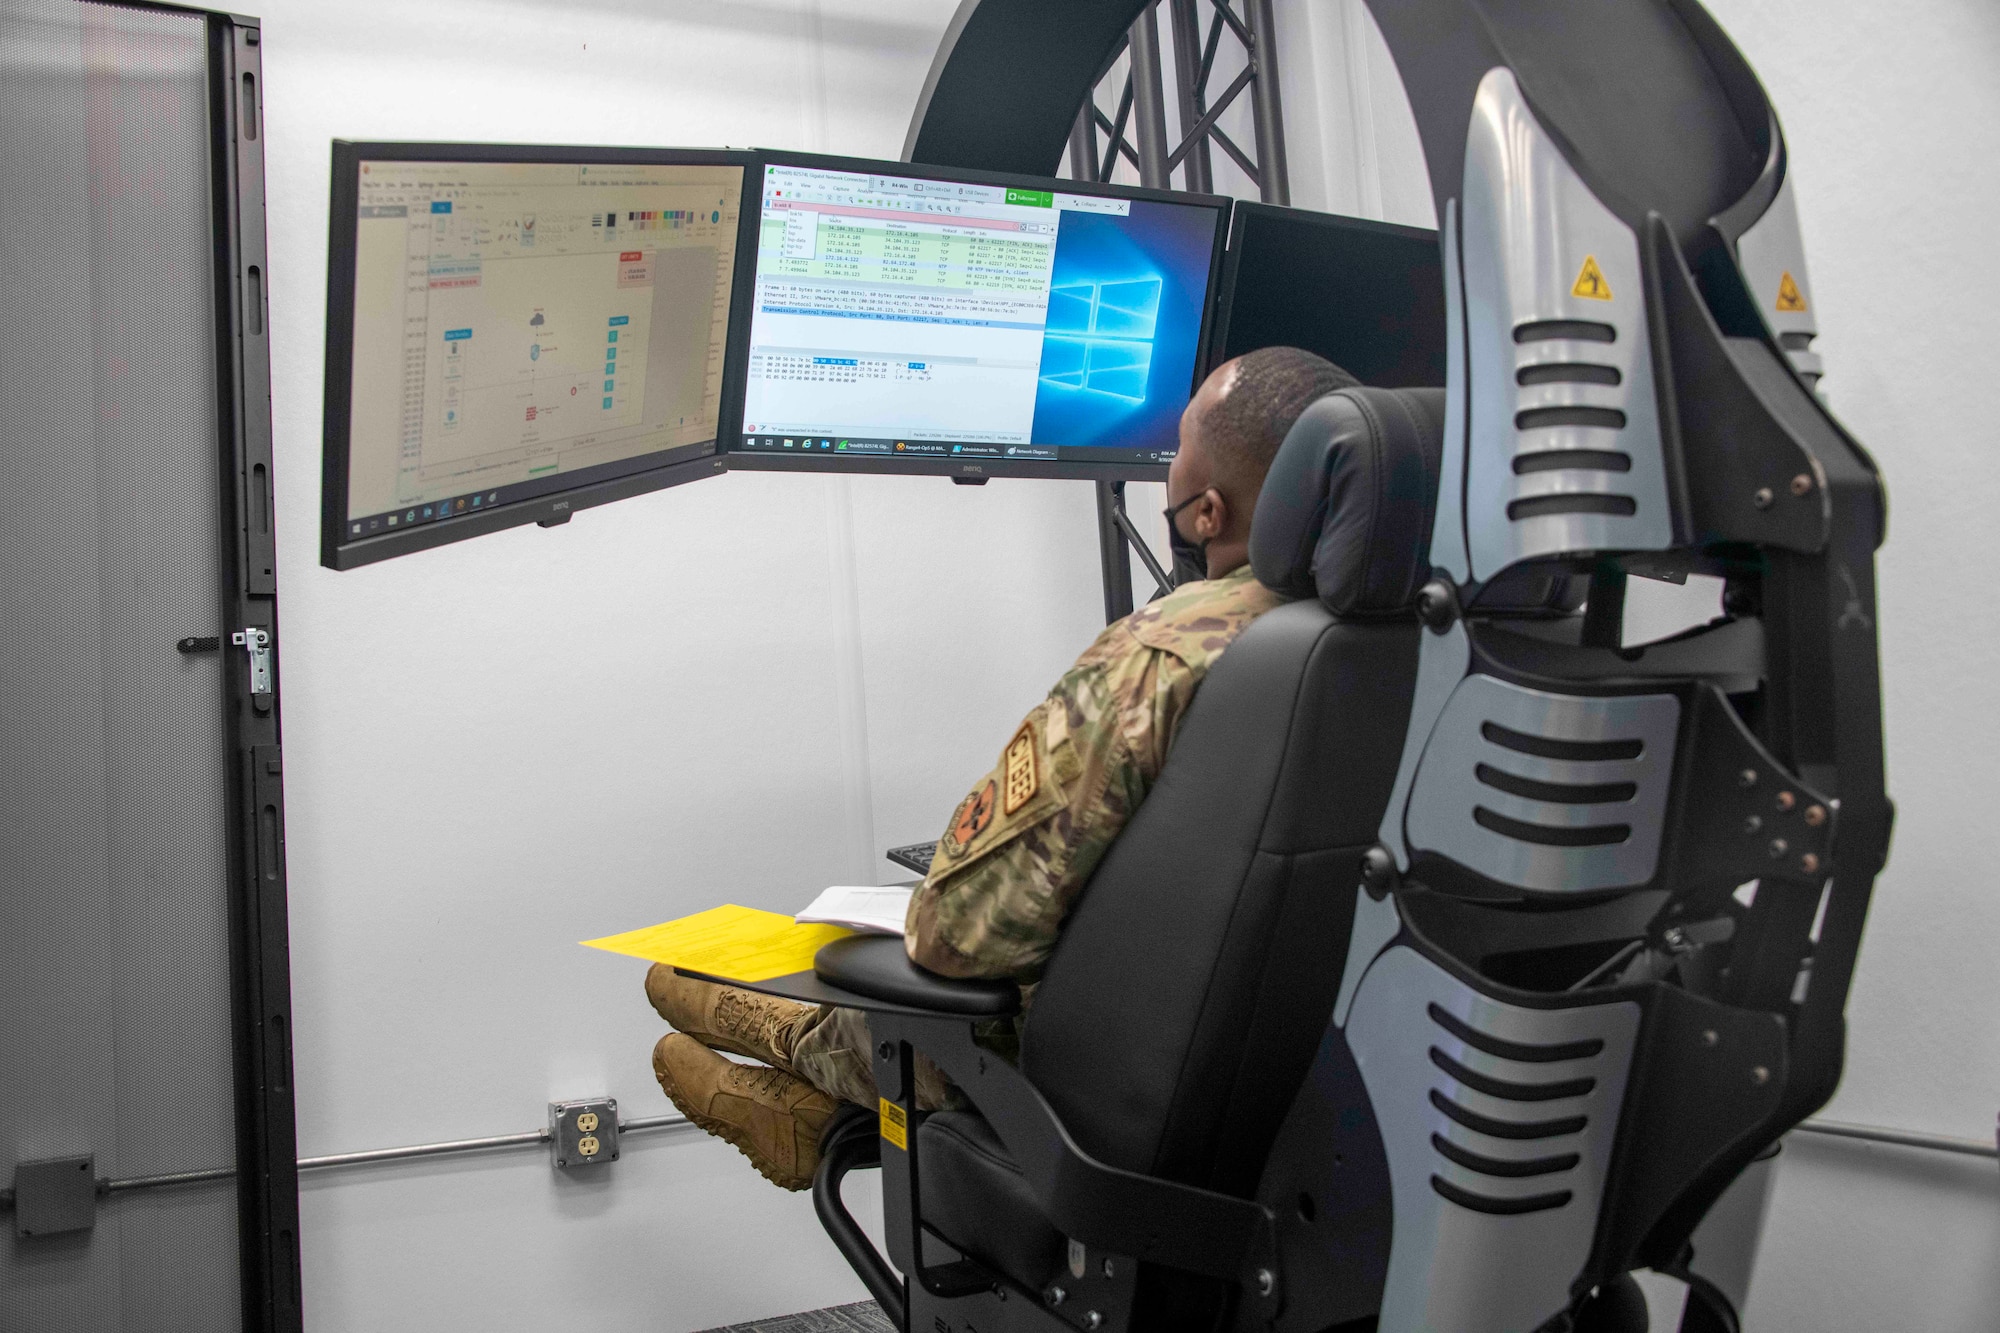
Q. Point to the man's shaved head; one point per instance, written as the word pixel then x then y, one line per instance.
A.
pixel 1229 435
pixel 1256 399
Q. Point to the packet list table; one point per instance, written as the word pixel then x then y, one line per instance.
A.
pixel 916 256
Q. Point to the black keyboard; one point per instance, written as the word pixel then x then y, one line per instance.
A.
pixel 917 856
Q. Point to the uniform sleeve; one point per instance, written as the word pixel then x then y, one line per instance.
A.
pixel 1027 837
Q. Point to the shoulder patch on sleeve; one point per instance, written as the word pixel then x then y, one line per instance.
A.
pixel 1023 773
pixel 971 819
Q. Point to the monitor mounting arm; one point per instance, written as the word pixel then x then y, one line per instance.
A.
pixel 1115 532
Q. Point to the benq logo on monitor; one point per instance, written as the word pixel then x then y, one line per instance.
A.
pixel 1100 336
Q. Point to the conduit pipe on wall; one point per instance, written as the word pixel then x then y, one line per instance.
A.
pixel 1837 1129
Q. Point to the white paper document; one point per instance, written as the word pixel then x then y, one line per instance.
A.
pixel 872 910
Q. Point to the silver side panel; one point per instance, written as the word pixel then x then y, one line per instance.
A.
pixel 1448 527
pixel 1772 256
pixel 1480 1248
pixel 1441 663
pixel 1489 796
pixel 1375 924
pixel 1559 460
pixel 1725 1244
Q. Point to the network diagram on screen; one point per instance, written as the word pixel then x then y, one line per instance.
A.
pixel 914 316
pixel 522 326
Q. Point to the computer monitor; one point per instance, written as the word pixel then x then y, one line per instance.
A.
pixel 515 333
pixel 917 319
pixel 1368 296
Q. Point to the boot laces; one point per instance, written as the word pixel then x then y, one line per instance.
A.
pixel 772 1083
pixel 743 1015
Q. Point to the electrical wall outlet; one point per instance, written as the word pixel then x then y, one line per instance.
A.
pixel 583 1133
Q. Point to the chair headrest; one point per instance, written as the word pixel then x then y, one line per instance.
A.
pixel 1345 513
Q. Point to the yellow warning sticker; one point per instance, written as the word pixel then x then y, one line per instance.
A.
pixel 895 1124
pixel 1590 282
pixel 1024 778
pixel 1791 300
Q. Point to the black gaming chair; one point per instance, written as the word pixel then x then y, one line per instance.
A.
pixel 1111 1180
pixel 1598 961
pixel 1190 987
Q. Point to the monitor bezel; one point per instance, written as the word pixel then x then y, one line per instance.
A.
pixel 964 470
pixel 1245 214
pixel 692 463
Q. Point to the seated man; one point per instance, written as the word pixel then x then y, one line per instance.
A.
pixel 1022 845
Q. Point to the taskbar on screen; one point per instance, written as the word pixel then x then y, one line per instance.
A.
pixel 856 447
pixel 416 514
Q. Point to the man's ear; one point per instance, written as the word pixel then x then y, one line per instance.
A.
pixel 1212 514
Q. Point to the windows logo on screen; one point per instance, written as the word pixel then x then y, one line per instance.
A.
pixel 1100 337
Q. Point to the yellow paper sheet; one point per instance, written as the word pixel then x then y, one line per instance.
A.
pixel 735 943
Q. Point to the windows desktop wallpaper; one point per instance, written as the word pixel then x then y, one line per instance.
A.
pixel 1124 326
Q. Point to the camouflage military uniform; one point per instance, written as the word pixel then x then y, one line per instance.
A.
pixel 1025 840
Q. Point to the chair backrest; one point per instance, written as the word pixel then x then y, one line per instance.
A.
pixel 1192 983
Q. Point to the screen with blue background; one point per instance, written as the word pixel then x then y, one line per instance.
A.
pixel 1124 326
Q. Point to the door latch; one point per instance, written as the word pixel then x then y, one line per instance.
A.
pixel 257 643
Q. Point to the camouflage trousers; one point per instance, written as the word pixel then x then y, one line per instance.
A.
pixel 830 1048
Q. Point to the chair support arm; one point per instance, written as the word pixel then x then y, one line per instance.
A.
pixel 1102 1206
pixel 851 1143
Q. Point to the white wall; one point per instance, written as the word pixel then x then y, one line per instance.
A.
pixel 743 689
pixel 1352 141
pixel 749 687
pixel 1892 115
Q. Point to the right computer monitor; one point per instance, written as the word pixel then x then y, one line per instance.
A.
pixel 1368 296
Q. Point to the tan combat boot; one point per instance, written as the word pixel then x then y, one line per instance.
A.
pixel 723 1017
pixel 773 1118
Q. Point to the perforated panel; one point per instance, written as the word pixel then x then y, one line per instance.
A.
pixel 1499 1122
pixel 115 1034
pixel 1564 448
pixel 1553 793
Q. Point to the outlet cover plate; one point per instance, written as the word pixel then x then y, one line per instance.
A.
pixel 583 1133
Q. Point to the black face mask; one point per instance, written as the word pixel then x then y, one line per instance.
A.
pixel 1190 557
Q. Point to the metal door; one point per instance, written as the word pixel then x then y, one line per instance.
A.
pixel 142 978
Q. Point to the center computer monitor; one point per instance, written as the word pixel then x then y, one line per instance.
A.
pixel 917 319
pixel 514 333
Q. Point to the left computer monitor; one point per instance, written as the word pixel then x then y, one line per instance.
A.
pixel 515 333
pixel 917 319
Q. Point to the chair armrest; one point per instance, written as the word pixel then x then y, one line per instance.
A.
pixel 872 972
pixel 879 968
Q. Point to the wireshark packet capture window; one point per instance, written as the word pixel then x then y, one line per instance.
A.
pixel 517 333
pixel 910 320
